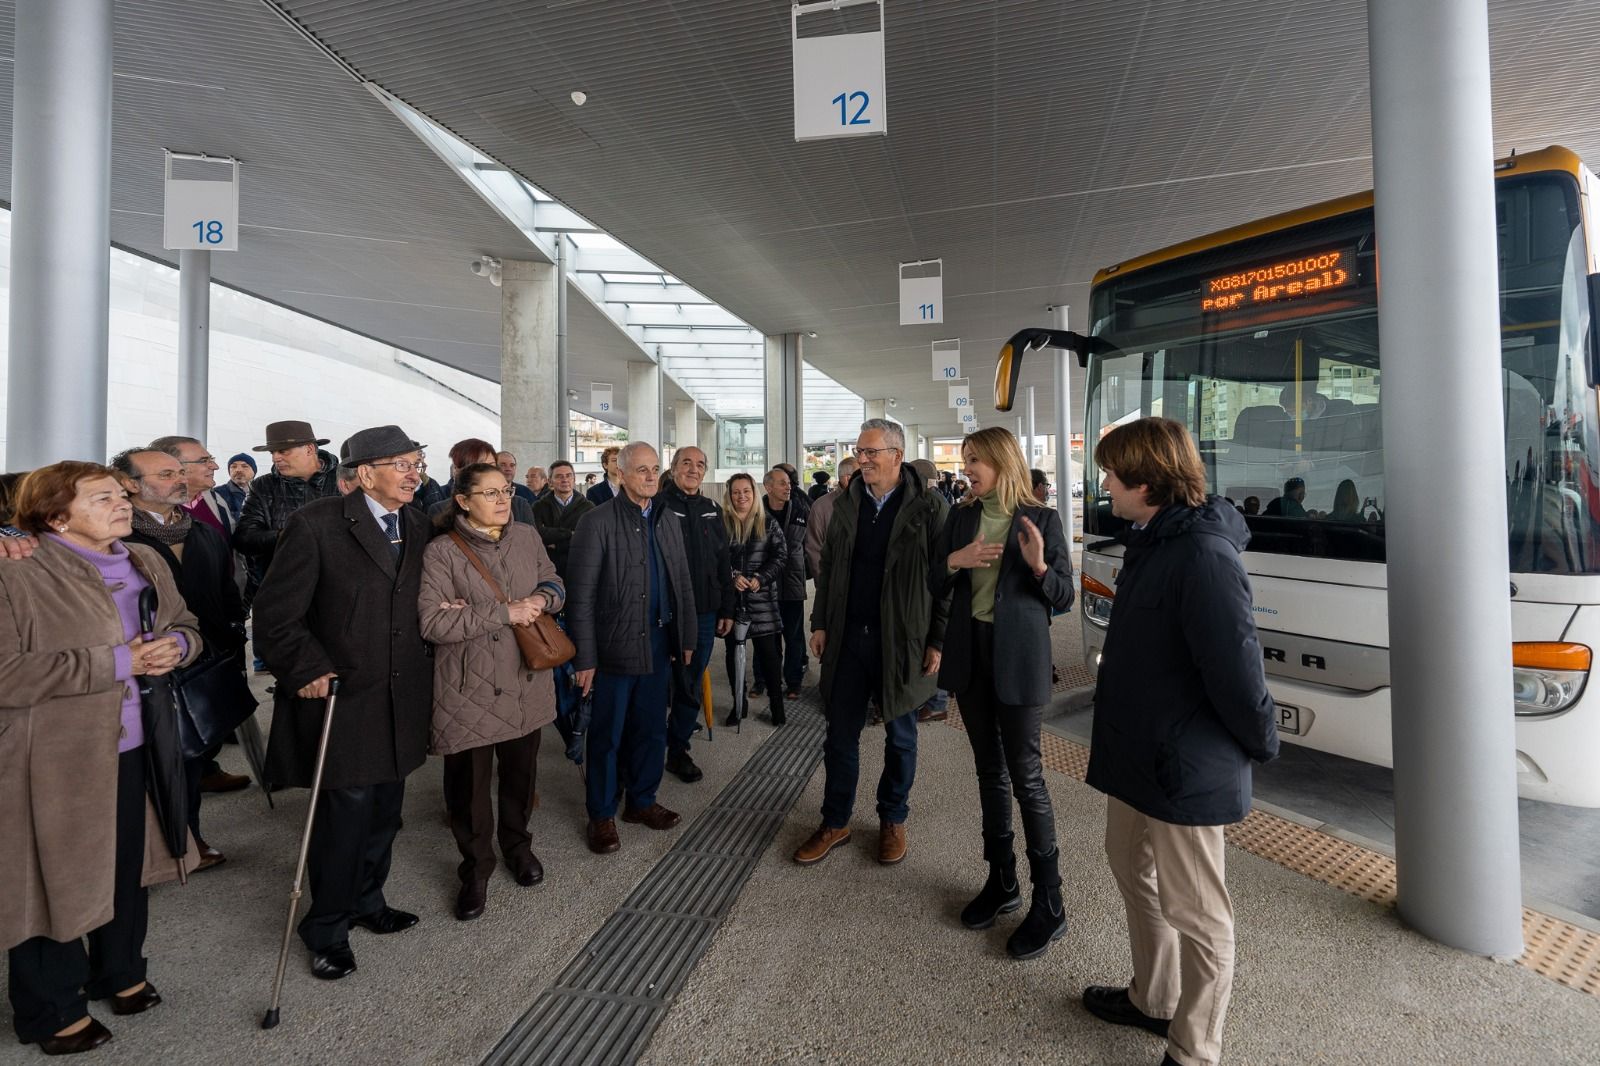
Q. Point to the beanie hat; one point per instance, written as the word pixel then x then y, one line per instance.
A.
pixel 243 457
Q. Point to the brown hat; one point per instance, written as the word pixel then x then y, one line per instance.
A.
pixel 281 435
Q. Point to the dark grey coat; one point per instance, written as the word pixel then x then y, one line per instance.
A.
pixel 793 518
pixel 608 587
pixel 334 601
pixel 766 559
pixel 1022 606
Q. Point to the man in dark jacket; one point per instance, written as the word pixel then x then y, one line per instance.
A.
pixel 631 613
pixel 609 485
pixel 706 545
pixel 341 601
pixel 202 566
pixel 300 473
pixel 557 512
pixel 878 627
pixel 791 511
pixel 1181 710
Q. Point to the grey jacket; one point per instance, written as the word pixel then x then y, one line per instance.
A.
pixel 608 587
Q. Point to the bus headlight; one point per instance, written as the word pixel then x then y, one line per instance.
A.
pixel 1097 599
pixel 1547 677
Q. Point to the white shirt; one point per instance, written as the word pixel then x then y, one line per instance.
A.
pixel 378 511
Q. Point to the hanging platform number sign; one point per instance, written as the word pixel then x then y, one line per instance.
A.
pixel 922 292
pixel 838 72
pixel 600 399
pixel 946 360
pixel 202 203
pixel 960 398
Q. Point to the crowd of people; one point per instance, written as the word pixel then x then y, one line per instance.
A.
pixel 428 611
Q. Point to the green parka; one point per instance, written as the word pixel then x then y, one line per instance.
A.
pixel 913 614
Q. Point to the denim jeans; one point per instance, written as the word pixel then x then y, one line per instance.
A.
pixel 628 733
pixel 858 676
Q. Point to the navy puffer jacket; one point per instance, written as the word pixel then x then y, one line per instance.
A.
pixel 1181 704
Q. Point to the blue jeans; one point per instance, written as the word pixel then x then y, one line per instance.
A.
pixel 628 733
pixel 793 613
pixel 686 713
pixel 939 700
pixel 858 676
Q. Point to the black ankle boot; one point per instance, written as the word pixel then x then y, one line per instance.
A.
pixel 1000 894
pixel 1047 917
pixel 778 715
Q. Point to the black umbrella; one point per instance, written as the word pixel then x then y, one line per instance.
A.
pixel 163 748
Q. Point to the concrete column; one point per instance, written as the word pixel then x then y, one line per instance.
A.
pixel 785 394
pixel 1033 430
pixel 644 404
pixel 563 401
pixel 688 427
pixel 530 420
pixel 874 409
pixel 1456 840
pixel 707 438
pixel 60 232
pixel 194 341
pixel 1063 383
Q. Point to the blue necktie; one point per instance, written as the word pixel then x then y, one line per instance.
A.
pixel 391 526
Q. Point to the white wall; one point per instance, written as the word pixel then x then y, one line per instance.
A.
pixel 267 364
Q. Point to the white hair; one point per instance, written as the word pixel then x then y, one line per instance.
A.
pixel 890 429
pixel 625 456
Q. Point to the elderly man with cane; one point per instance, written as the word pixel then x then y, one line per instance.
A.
pixel 341 601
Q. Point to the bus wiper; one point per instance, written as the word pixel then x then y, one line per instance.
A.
pixel 1008 371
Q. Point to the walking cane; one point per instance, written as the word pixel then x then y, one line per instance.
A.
pixel 270 1021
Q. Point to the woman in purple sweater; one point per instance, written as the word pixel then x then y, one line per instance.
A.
pixel 76 850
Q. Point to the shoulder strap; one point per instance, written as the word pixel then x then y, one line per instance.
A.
pixel 477 564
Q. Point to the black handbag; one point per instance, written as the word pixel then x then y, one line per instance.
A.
pixel 214 699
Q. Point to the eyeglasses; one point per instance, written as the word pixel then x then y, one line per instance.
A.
pixel 200 461
pixel 403 466
pixel 493 495
pixel 872 453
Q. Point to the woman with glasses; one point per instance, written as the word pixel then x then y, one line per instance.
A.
pixel 482 574
pixel 759 554
pixel 1003 560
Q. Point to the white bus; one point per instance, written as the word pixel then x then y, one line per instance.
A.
pixel 1263 340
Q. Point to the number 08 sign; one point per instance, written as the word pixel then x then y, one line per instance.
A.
pixel 201 210
pixel 838 78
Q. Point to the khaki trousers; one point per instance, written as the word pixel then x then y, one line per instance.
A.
pixel 1180 926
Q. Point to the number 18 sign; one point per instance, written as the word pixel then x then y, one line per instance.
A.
pixel 202 213
pixel 838 78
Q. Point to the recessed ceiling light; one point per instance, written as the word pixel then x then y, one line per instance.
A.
pixel 579 97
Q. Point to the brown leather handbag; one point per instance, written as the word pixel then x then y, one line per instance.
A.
pixel 543 645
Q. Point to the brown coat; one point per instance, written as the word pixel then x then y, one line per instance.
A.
pixel 60 718
pixel 482 692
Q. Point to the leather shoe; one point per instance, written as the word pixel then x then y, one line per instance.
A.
pixel 654 816
pixel 527 869
pixel 223 782
pixel 1113 1005
pixel 824 840
pixel 470 901
pixel 603 836
pixel 88 1038
pixel 338 961
pixel 387 920
pixel 209 856
pixel 679 763
pixel 891 842
pixel 136 1002
pixel 926 713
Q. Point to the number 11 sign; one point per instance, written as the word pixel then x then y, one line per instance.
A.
pixel 838 78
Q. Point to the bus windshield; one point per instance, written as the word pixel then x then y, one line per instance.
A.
pixel 1268 351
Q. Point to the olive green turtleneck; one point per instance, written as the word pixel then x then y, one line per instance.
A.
pixel 995 525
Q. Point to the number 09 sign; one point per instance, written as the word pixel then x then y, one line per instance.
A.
pixel 201 210
pixel 838 78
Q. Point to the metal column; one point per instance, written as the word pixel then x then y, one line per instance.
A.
pixel 1063 428
pixel 194 341
pixel 563 401
pixel 1449 617
pixel 785 356
pixel 1033 430
pixel 60 232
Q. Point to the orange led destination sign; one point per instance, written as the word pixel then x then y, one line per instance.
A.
pixel 1286 280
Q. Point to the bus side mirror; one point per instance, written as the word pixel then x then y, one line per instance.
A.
pixel 1008 370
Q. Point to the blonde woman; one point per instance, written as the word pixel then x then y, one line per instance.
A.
pixel 759 554
pixel 1005 562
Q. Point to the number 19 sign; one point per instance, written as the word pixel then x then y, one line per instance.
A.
pixel 600 398
pixel 838 78
pixel 202 214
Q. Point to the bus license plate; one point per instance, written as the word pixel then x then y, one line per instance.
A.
pixel 1288 719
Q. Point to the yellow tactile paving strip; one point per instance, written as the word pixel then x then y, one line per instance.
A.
pixel 1557 949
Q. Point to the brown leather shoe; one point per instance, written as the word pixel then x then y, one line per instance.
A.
pixel 824 840
pixel 603 836
pixel 223 782
pixel 88 1038
pixel 654 816
pixel 136 1002
pixel 891 842
pixel 209 856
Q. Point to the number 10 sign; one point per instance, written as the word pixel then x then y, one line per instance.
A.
pixel 838 78
pixel 202 212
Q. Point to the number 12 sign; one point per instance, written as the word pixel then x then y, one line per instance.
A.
pixel 838 78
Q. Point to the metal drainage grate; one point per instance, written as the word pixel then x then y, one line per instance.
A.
pixel 606 1003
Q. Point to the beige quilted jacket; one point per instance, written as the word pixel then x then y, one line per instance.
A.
pixel 482 692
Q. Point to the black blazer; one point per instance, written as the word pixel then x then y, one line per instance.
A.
pixel 334 600
pixel 1022 607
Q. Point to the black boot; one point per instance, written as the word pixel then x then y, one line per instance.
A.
pixel 1000 894
pixel 778 715
pixel 1047 918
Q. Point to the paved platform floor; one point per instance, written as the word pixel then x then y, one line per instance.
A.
pixel 846 962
